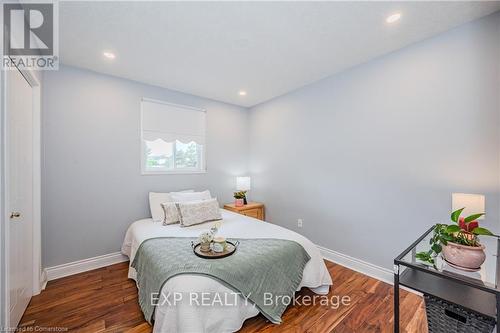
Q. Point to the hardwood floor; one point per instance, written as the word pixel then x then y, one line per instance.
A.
pixel 104 300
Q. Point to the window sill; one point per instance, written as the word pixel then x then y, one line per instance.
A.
pixel 163 173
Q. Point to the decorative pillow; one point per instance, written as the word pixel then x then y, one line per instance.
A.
pixel 155 201
pixel 191 196
pixel 192 213
pixel 171 213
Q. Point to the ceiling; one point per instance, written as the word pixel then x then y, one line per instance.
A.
pixel 216 49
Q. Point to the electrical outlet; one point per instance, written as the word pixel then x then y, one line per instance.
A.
pixel 299 223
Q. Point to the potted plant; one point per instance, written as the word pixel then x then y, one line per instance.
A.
pixel 239 197
pixel 458 242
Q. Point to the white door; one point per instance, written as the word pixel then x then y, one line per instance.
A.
pixel 19 100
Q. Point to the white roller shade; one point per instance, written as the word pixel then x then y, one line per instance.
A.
pixel 174 120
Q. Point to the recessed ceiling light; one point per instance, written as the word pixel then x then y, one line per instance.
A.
pixel 109 55
pixel 393 18
pixel 242 93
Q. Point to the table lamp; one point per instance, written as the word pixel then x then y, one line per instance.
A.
pixel 243 184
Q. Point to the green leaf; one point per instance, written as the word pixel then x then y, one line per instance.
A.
pixel 482 231
pixel 473 217
pixel 436 248
pixel 449 238
pixel 423 256
pixel 452 228
pixel 456 214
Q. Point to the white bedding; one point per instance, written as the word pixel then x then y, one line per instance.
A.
pixel 183 317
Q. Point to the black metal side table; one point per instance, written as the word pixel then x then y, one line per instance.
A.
pixel 478 292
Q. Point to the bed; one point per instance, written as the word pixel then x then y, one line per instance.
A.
pixel 183 317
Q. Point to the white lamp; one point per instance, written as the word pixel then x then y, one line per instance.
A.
pixel 243 184
pixel 473 203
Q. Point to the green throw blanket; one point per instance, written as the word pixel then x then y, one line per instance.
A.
pixel 259 268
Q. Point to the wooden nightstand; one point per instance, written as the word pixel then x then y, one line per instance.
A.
pixel 252 209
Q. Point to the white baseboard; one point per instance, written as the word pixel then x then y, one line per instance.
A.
pixel 361 266
pixel 358 265
pixel 84 265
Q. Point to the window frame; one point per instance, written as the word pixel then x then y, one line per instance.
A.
pixel 183 171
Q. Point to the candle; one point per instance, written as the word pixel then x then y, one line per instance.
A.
pixel 219 244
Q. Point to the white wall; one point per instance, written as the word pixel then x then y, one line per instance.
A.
pixel 92 187
pixel 369 158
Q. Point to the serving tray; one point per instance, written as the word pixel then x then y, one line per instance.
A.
pixel 229 250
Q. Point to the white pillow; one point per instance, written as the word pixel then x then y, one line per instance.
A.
pixel 155 201
pixel 196 212
pixel 192 196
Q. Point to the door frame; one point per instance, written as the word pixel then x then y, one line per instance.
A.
pixel 39 280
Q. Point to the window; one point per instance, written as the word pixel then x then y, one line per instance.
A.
pixel 173 138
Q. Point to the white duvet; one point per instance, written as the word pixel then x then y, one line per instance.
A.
pixel 187 316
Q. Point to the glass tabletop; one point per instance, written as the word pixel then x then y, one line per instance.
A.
pixel 485 277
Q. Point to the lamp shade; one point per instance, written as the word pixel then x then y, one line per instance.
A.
pixel 473 203
pixel 242 183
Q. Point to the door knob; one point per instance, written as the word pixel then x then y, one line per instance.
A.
pixel 15 214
